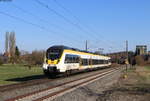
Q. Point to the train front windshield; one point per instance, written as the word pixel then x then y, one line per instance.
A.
pixel 53 54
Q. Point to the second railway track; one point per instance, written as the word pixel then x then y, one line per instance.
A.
pixel 60 89
pixel 28 83
pixel 23 84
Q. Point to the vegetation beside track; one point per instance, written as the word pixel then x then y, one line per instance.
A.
pixel 147 67
pixel 10 74
pixel 141 74
pixel 135 86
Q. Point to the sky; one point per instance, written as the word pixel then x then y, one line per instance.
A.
pixel 104 24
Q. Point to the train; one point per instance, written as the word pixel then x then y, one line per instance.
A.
pixel 62 59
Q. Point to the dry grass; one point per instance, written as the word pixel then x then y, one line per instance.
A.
pixel 136 87
pixel 115 65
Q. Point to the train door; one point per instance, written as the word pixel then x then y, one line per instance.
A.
pixel 91 62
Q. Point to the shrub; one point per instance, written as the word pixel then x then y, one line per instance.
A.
pixel 139 60
pixel 1 61
pixel 35 58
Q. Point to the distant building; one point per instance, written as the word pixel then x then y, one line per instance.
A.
pixel 141 49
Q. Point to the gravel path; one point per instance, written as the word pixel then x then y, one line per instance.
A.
pixel 91 92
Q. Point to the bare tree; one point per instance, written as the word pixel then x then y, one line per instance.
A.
pixel 12 47
pixel 7 43
pixel 12 44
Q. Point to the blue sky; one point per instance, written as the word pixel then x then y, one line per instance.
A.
pixel 104 23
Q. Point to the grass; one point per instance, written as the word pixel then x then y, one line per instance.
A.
pixel 147 68
pixel 130 70
pixel 8 72
pixel 148 74
pixel 144 76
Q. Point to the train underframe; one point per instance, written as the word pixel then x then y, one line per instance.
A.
pixel 54 72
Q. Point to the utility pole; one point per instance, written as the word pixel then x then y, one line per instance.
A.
pixel 126 55
pixel 86 45
pixel 125 75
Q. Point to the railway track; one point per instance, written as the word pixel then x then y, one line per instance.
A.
pixel 28 83
pixel 57 90
pixel 24 84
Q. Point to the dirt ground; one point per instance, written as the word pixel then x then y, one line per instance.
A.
pixel 131 86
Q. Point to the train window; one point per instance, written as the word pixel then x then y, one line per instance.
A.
pixel 53 54
pixel 105 61
pixel 85 62
pixel 69 58
pixel 97 62
pixel 93 62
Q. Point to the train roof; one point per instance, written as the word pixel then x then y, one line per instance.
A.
pixel 59 47
pixel 62 47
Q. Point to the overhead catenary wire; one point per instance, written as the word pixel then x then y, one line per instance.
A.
pixel 22 20
pixel 63 17
pixel 39 26
pixel 67 10
pixel 79 22
pixel 42 20
pixel 30 23
pixel 37 17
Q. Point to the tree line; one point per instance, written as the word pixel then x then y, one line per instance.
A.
pixel 13 55
pixel 133 58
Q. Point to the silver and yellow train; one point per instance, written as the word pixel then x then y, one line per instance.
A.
pixel 62 59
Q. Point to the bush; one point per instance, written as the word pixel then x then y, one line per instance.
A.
pixel 1 61
pixel 35 58
pixel 139 60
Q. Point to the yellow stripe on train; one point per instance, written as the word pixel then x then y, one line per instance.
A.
pixel 52 62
